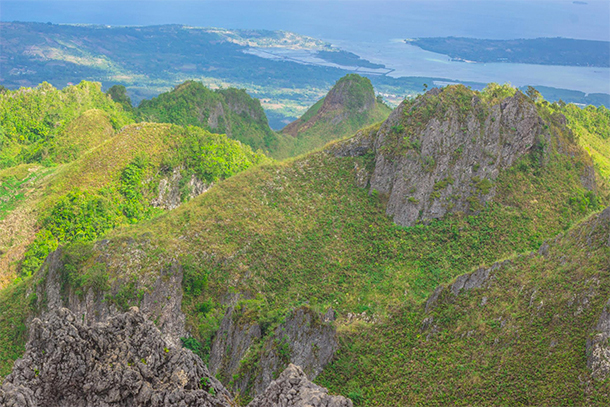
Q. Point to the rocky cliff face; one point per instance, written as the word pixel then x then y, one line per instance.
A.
pixel 126 362
pixel 235 337
pixel 173 189
pixel 443 152
pixel 305 338
pixel 449 162
pixel 159 296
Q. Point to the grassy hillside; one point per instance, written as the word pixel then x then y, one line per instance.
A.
pixel 349 106
pixel 94 177
pixel 592 126
pixel 520 339
pixel 302 231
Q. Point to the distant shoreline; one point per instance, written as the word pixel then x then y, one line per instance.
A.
pixel 538 51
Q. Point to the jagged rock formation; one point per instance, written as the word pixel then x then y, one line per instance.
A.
pixel 96 306
pixel 305 338
pixel 122 362
pixel 126 362
pixel 451 161
pixel 292 389
pixel 442 152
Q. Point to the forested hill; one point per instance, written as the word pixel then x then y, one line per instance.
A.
pixel 226 111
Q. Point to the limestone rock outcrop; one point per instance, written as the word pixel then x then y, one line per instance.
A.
pixel 305 338
pixel 443 152
pixel 449 164
pixel 122 362
pixel 94 305
pixel 293 389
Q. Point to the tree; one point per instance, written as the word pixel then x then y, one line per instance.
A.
pixel 118 93
pixel 533 94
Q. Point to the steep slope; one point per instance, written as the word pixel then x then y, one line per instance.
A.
pixel 592 126
pixel 44 126
pixel 349 106
pixel 530 330
pixel 143 168
pixel 227 111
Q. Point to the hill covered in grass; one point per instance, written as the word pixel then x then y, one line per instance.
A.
pixel 349 106
pixel 528 330
pixel 498 174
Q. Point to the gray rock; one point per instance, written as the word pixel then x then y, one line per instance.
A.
pixel 305 338
pixel 233 340
pixel 160 297
pixel 472 280
pixel 466 282
pixel 598 346
pixel 359 145
pixel 457 158
pixel 293 389
pixel 170 195
pixel 431 302
pixel 126 362
pixel 122 362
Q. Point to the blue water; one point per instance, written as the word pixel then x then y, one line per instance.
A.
pixel 342 20
pixel 371 29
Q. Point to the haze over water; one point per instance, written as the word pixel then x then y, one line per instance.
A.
pixel 372 29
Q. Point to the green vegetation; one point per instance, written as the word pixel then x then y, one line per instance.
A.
pixel 349 106
pixel 522 341
pixel 34 122
pixel 545 51
pixel 303 232
pixel 124 197
pixel 227 111
pixel 118 93
pixel 15 307
pixel 592 127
